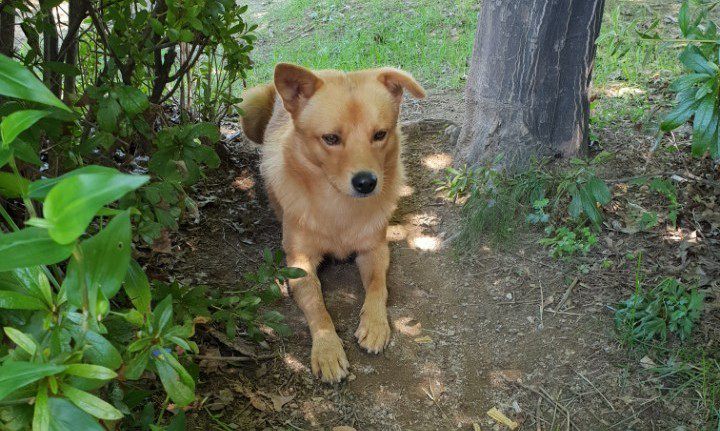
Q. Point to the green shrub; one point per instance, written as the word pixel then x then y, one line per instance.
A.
pixel 697 90
pixel 494 201
pixel 668 308
pixel 78 318
pixel 564 241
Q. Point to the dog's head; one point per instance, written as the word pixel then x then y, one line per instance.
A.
pixel 347 122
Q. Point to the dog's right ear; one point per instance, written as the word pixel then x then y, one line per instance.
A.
pixel 295 85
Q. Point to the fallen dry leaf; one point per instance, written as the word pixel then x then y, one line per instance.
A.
pixel 256 400
pixel 500 378
pixel 423 340
pixel 499 417
pixel 278 400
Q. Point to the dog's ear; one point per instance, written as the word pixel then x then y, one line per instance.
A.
pixel 295 85
pixel 396 80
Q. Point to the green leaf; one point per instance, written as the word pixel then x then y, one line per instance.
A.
pixel 132 100
pixel 17 122
pixel 177 423
pixel 25 152
pixel 16 375
pixel 684 19
pixel 40 188
pixel 61 68
pixel 64 416
pixel 599 190
pixel 90 371
pixel 100 350
pixel 179 392
pixel 107 114
pixel 90 403
pixel 575 206
pixel 29 247
pixel 163 314
pixel 100 265
pixel 22 340
pixel 29 281
pixel 681 113
pixel 137 365
pixel 18 82
pixel 73 202
pixel 589 206
pixel 18 301
pixel 704 125
pixel 137 287
pixel 5 154
pixel 41 415
pixel 694 60
pixel 292 272
pixel 12 186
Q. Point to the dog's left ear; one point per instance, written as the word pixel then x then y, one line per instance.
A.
pixel 396 81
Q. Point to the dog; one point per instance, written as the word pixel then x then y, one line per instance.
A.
pixel 331 164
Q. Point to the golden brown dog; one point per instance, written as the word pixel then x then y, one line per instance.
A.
pixel 332 169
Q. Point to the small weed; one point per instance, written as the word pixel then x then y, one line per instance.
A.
pixel 237 308
pixel 695 371
pixel 457 182
pixel 538 216
pixel 667 189
pixel 668 308
pixel 564 241
pixel 496 201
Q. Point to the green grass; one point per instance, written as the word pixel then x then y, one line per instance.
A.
pixel 430 38
pixel 628 69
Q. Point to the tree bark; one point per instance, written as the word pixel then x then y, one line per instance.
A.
pixel 50 48
pixel 527 89
pixel 7 29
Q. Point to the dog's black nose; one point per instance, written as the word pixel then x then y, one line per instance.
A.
pixel 364 182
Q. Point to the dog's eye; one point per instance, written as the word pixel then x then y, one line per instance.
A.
pixel 331 139
pixel 379 135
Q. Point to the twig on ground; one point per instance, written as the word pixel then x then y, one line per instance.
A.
pixel 567 294
pixel 236 358
pixel 542 304
pixel 596 390
pixel 555 402
pixel 534 261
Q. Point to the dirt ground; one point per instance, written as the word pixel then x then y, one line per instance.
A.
pixel 506 328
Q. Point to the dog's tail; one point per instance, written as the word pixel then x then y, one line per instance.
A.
pixel 257 106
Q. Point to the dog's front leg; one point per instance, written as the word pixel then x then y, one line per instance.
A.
pixel 373 333
pixel 327 357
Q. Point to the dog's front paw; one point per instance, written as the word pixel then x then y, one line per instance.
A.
pixel 373 333
pixel 328 357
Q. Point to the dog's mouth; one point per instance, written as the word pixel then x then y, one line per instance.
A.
pixel 359 195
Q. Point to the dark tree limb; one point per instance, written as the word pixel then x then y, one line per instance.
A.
pixel 527 90
pixel 7 29
pixel 50 49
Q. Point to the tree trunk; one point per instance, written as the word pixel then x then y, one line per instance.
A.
pixel 50 47
pixel 527 89
pixel 7 30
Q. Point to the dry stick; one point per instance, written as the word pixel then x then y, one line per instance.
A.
pixel 567 294
pixel 534 261
pixel 235 358
pixel 636 414
pixel 542 304
pixel 596 390
pixel 543 393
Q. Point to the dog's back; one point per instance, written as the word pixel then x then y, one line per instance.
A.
pixel 257 105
